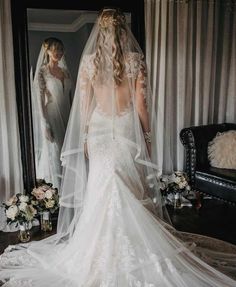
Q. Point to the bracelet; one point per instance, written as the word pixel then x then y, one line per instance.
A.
pixel 147 136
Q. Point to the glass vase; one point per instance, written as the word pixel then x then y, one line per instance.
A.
pixel 46 221
pixel 177 200
pixel 24 233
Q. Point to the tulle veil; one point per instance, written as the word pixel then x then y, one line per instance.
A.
pixel 99 76
pixel 42 147
pixel 100 72
pixel 76 164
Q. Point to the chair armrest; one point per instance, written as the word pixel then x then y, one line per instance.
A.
pixel 195 140
pixel 187 139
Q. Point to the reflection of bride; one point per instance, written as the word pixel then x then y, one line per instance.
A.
pixel 110 233
pixel 51 93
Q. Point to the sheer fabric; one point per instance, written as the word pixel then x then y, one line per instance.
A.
pixel 191 52
pixel 51 104
pixel 97 94
pixel 110 228
pixel 11 178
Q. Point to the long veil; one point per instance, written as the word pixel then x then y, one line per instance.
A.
pixel 113 83
pixel 45 151
pixel 97 89
pixel 96 77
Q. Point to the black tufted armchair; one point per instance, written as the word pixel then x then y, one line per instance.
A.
pixel 217 182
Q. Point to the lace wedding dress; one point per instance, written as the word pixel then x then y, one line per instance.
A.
pixel 55 96
pixel 110 230
pixel 117 241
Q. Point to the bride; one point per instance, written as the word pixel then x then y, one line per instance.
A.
pixel 51 101
pixel 111 226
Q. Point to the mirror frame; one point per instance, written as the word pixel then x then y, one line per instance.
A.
pixel 21 63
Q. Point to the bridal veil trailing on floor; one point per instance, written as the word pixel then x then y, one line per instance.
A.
pixel 112 228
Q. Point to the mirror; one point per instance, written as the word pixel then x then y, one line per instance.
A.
pixel 56 39
pixel 70 21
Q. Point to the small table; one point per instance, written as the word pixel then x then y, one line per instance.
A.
pixel 11 238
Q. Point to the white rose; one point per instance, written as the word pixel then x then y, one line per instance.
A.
pixel 184 182
pixel 50 203
pixel 181 185
pixel 11 200
pixel 11 212
pixel 48 194
pixel 24 198
pixel 177 180
pixel 23 206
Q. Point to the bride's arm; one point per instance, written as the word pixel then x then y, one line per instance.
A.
pixel 86 97
pixel 43 96
pixel 141 103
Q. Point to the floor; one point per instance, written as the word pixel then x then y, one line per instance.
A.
pixel 214 219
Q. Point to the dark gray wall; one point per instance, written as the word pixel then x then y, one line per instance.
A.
pixel 74 44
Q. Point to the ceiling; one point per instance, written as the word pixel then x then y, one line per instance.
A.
pixel 61 20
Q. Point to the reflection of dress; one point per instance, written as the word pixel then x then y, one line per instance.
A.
pixel 116 242
pixel 56 103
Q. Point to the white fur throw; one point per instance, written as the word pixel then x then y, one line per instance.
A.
pixel 222 150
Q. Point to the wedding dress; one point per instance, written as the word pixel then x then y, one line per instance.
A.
pixel 55 96
pixel 111 229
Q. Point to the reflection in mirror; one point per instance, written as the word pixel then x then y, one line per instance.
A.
pixel 56 39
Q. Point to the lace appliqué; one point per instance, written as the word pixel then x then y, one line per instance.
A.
pixel 131 280
pixel 19 282
pixel 44 74
pixel 136 68
pixel 23 258
pixel 134 62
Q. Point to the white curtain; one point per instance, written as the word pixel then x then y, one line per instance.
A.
pixel 191 53
pixel 11 180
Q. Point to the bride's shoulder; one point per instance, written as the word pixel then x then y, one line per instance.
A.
pixel 88 58
pixel 87 61
pixel 133 63
pixel 134 57
pixel 87 64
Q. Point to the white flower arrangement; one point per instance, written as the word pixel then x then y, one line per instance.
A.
pixel 19 209
pixel 45 197
pixel 178 182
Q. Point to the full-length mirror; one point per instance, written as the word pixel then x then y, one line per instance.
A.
pixel 49 39
pixel 56 39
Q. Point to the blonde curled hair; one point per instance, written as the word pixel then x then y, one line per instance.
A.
pixel 111 22
pixel 52 43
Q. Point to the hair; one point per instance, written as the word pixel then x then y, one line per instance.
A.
pixel 111 21
pixel 50 43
